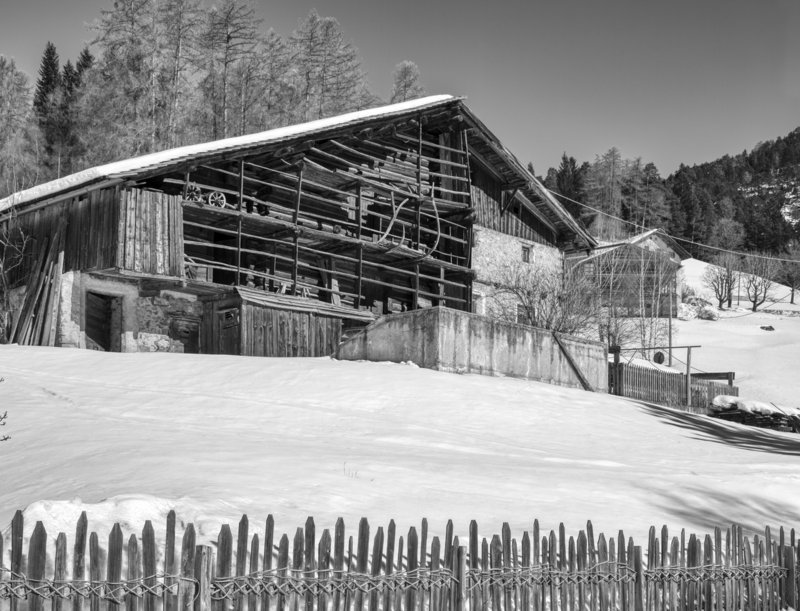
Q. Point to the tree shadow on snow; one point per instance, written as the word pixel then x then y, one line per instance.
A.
pixel 742 436
pixel 709 509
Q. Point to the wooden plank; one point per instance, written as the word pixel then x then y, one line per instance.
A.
pixel 436 591
pixel 252 597
pixel 375 569
pixel 224 551
pixel 149 569
pixel 59 569
pixel 269 535
pixel 95 573
pixel 324 573
pixel 202 573
pixel 187 562
pixel 389 570
pixel 79 558
pixel 37 561
pixel 309 564
pixel 413 564
pixel 241 559
pixel 170 590
pixel 338 560
pixel 17 526
pixel 114 591
pixel 134 571
pixel 297 565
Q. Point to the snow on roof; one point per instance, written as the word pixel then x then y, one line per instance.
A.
pixel 144 162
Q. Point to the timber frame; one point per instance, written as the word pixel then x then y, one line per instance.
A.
pixel 369 212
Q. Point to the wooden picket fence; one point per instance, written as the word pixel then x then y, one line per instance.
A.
pixel 664 387
pixel 381 571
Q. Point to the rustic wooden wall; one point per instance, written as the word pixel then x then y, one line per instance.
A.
pixel 274 332
pixel 487 198
pixel 150 227
pixel 265 331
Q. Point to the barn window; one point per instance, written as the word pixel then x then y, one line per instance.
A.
pixel 526 254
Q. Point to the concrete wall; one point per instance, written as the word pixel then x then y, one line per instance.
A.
pixel 450 340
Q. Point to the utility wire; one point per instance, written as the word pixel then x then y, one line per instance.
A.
pixel 638 226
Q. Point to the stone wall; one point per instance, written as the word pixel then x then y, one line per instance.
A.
pixel 145 321
pixel 494 251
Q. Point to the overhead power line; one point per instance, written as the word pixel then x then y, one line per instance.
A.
pixel 677 239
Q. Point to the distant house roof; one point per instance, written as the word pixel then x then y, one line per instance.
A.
pixel 486 144
pixel 637 240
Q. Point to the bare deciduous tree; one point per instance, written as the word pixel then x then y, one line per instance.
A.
pixel 721 277
pixel 545 298
pixel 14 244
pixel 759 274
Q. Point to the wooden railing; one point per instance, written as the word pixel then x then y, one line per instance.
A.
pixel 379 571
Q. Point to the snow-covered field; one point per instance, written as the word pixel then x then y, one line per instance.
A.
pixel 126 437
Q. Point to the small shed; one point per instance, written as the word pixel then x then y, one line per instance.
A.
pixel 252 322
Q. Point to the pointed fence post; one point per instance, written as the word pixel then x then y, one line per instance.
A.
pixel 202 575
pixel 460 570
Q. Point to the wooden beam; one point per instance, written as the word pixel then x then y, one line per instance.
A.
pixel 239 225
pixel 295 218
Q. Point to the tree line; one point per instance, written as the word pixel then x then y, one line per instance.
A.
pixel 737 203
pixel 166 73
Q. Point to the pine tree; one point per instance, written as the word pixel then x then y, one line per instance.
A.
pixel 48 83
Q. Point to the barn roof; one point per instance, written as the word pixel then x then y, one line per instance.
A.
pixel 482 142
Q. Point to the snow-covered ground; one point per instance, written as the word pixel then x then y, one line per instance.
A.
pixel 126 437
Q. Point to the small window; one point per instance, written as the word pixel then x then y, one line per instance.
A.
pixel 526 254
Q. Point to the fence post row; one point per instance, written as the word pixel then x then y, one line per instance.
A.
pixel 555 572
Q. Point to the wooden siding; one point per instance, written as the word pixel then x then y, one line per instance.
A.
pixel 274 332
pixel 90 238
pixel 265 331
pixel 151 230
pixel 487 199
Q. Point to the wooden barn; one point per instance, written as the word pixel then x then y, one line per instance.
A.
pixel 275 243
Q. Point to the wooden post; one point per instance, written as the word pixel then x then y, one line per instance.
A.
pixel 60 569
pixel 37 558
pixel 460 573
pixel 17 524
pixel 671 300
pixel 360 264
pixel 790 592
pixel 78 559
pixel 239 225
pixel 114 568
pixel 689 376
pixel 185 585
pixel 638 592
pixel 149 564
pixel 295 217
pixel 202 575
pixel 170 595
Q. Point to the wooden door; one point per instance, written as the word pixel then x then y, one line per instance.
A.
pixel 228 323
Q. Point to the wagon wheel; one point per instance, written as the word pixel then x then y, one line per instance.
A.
pixel 193 193
pixel 216 198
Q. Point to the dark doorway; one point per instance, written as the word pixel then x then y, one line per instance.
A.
pixel 103 322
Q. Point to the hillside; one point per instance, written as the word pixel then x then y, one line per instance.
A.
pixel 128 436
